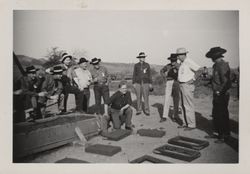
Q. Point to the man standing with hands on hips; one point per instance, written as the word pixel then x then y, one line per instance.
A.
pixel 142 82
pixel 186 77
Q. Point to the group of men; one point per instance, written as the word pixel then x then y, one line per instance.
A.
pixel 180 79
pixel 67 78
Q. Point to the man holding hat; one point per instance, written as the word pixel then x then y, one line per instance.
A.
pixel 170 73
pixel 100 81
pixel 142 82
pixel 186 77
pixel 221 83
pixel 84 79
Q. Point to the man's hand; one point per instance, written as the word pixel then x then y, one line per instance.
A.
pixel 42 94
pixel 121 112
pixel 18 92
pixel 54 97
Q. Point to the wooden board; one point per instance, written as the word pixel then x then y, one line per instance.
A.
pixel 102 149
pixel 149 159
pixel 191 143
pixel 71 160
pixel 177 152
pixel 38 138
pixel 118 134
pixel 151 133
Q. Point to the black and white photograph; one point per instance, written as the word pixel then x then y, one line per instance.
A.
pixel 126 86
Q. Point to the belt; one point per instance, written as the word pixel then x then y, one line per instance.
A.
pixel 188 82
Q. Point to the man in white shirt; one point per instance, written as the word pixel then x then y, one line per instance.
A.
pixel 186 77
pixel 83 80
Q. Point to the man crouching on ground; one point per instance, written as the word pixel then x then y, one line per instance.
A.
pixel 120 107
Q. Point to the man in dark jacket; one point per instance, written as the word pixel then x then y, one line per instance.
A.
pixel 142 82
pixel 221 83
pixel 170 74
pixel 28 92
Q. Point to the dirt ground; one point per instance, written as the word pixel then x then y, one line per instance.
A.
pixel 135 146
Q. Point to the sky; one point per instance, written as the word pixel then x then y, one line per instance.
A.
pixel 119 36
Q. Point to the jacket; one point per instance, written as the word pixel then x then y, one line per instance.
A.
pixel 142 73
pixel 221 81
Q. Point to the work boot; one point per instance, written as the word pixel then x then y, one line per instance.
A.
pixel 163 119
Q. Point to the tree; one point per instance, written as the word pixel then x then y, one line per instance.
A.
pixel 53 56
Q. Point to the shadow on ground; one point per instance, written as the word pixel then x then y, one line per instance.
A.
pixel 206 125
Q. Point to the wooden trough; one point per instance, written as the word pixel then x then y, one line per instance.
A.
pixel 30 138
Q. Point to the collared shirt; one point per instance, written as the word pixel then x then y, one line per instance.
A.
pixel 84 77
pixel 142 73
pixel 187 70
pixel 221 81
pixel 172 71
pixel 101 74
pixel 119 100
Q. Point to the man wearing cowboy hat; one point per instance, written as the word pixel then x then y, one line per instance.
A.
pixel 52 87
pixel 186 77
pixel 70 83
pixel 142 82
pixel 84 79
pixel 29 92
pixel 221 83
pixel 170 73
pixel 100 80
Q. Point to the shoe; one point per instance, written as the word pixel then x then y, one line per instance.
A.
pixel 147 114
pixel 212 136
pixel 128 128
pixel 219 141
pixel 162 120
pixel 174 119
pixel 138 112
pixel 189 128
pixel 182 126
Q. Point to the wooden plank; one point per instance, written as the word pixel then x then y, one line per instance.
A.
pixel 45 138
pixel 102 149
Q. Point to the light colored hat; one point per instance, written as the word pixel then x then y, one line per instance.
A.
pixel 181 51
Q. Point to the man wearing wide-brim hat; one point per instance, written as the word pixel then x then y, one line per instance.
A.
pixel 101 85
pixel 52 89
pixel 84 79
pixel 221 84
pixel 29 92
pixel 170 74
pixel 142 82
pixel 186 78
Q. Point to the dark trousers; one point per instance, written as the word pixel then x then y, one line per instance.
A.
pixel 101 91
pixel 176 97
pixel 68 89
pixel 86 96
pixel 221 115
pixel 18 108
pixel 118 120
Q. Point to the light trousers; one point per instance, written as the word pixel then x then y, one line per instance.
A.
pixel 187 103
pixel 142 90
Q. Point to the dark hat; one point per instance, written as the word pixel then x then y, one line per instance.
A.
pixel 215 52
pixel 95 61
pixel 172 57
pixel 141 55
pixel 64 56
pixel 82 60
pixel 57 70
pixel 31 69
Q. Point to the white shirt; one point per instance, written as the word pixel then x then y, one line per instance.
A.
pixel 187 70
pixel 84 78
